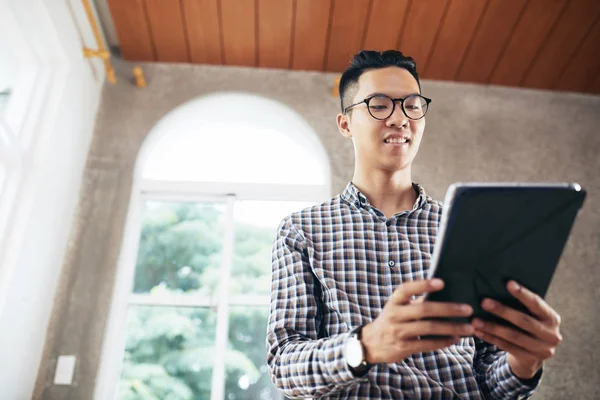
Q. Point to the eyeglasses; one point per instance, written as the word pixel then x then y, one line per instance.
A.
pixel 382 107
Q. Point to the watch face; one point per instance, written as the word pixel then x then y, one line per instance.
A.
pixel 353 352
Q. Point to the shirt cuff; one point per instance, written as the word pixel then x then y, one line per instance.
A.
pixel 335 363
pixel 515 386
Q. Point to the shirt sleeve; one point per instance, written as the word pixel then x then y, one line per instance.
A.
pixel 495 378
pixel 301 363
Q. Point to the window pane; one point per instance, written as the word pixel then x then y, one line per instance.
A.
pixel 169 354
pixel 180 248
pixel 247 335
pixel 256 224
pixel 232 154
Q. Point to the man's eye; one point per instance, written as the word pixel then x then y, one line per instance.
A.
pixel 379 107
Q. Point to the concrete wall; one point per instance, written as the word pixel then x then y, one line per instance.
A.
pixel 473 133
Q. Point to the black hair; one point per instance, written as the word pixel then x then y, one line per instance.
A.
pixel 366 60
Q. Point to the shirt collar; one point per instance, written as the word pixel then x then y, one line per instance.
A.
pixel 353 196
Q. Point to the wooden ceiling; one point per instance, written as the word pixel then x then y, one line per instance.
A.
pixel 546 44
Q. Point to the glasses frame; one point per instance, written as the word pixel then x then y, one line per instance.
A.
pixel 394 101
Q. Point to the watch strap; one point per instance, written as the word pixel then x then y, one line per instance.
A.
pixel 364 366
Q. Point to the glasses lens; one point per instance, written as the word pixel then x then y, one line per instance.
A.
pixel 415 106
pixel 381 107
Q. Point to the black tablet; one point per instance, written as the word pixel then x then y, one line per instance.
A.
pixel 494 232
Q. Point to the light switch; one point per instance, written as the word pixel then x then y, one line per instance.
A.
pixel 65 366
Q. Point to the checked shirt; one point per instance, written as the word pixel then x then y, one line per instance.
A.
pixel 334 267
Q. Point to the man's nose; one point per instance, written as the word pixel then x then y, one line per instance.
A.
pixel 397 118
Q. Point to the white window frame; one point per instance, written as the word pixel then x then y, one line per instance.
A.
pixel 43 67
pixel 114 346
pixel 281 119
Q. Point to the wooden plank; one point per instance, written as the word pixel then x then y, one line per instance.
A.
pixel 166 27
pixel 310 34
pixel 132 29
pixel 385 24
pixel 528 37
pixel 496 26
pixel 203 30
pixel 275 32
pixel 455 35
pixel 572 27
pixel 239 32
pixel 422 24
pixel 584 65
pixel 595 86
pixel 347 29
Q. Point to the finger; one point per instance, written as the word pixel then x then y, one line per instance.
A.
pixel 433 328
pixel 425 345
pixel 534 303
pixel 432 309
pixel 513 349
pixel 417 300
pixel 539 349
pixel 525 322
pixel 407 290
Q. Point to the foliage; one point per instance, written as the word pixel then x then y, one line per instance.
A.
pixel 170 351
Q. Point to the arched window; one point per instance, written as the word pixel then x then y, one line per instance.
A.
pixel 213 180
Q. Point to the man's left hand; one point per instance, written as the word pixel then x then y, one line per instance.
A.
pixel 528 349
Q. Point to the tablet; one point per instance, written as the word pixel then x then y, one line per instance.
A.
pixel 491 233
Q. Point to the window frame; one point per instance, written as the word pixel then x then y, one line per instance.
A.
pixel 228 193
pixel 257 111
pixel 43 67
pixel 144 190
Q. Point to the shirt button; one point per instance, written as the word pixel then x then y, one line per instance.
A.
pixel 391 263
pixel 388 222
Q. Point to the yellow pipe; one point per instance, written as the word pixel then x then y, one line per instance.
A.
pixel 101 52
pixel 335 90
pixel 140 79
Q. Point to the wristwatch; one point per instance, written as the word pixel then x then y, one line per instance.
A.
pixel 354 353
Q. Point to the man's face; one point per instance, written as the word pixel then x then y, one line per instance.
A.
pixel 371 137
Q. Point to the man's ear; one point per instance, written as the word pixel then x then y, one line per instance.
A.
pixel 343 123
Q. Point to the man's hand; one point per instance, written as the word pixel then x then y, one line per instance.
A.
pixel 526 350
pixel 394 334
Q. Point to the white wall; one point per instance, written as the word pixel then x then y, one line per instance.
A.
pixel 47 198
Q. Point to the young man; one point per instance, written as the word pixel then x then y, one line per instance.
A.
pixel 345 321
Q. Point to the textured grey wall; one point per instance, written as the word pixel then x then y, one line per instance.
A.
pixel 473 133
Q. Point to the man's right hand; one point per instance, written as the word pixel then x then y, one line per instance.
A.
pixel 394 334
